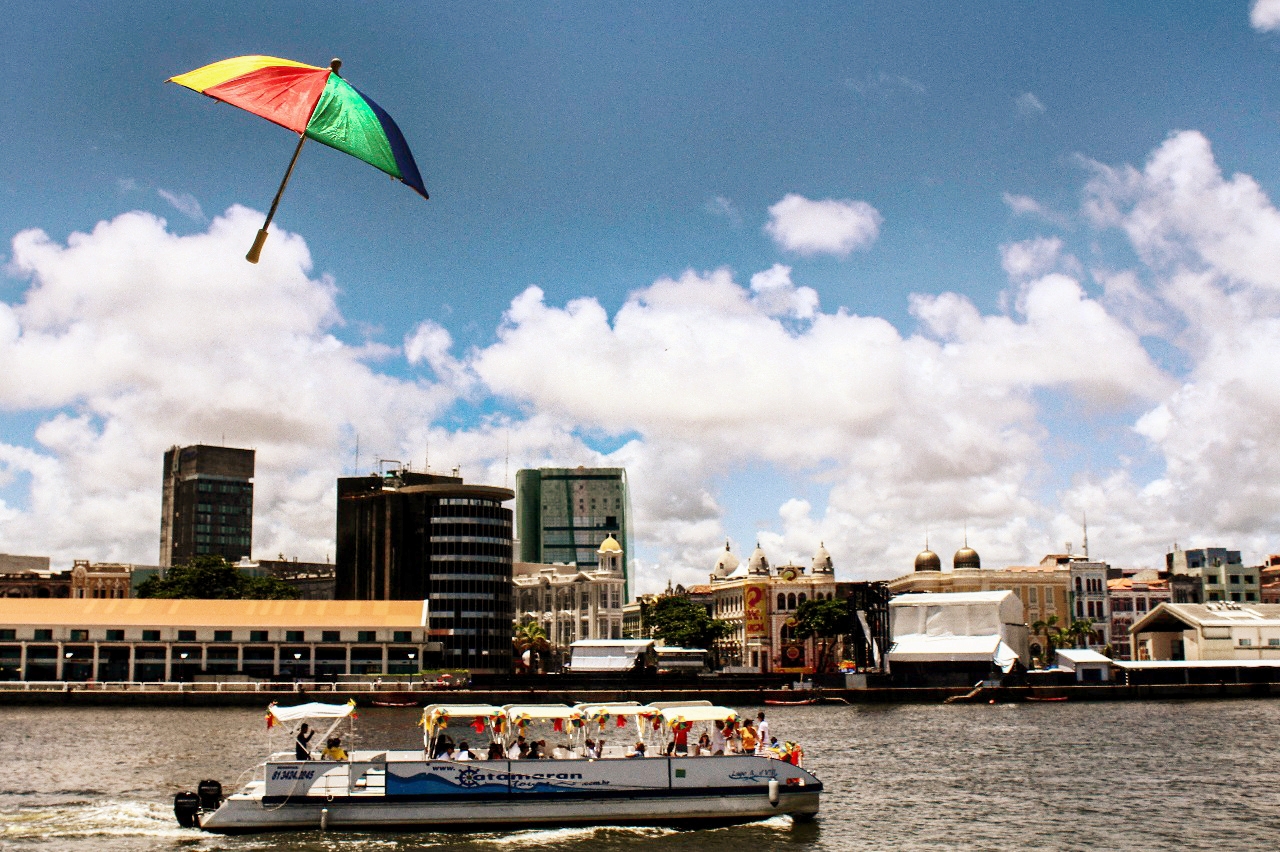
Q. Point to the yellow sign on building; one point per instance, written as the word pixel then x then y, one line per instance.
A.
pixel 755 611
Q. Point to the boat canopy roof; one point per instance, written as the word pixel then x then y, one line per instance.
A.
pixel 677 714
pixel 662 705
pixel 616 708
pixel 526 712
pixel 312 710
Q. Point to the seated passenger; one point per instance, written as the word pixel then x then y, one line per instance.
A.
pixel 463 752
pixel 495 751
pixel 704 745
pixel 519 749
pixel 446 752
pixel 333 750
pixel 638 751
pixel 589 749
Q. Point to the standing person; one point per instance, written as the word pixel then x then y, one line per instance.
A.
pixel 749 740
pixel 681 738
pixel 301 751
pixel 762 733
pixel 718 741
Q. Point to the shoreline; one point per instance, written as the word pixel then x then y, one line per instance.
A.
pixel 733 697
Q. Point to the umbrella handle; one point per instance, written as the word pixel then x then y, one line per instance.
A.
pixel 256 251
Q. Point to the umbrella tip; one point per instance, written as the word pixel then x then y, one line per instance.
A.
pixel 335 64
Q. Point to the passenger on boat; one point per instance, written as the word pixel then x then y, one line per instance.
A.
pixel 447 752
pixel 638 751
pixel 598 752
pixel 495 751
pixel 681 738
pixel 443 742
pixel 749 740
pixel 537 750
pixel 463 752
pixel 300 746
pixel 735 740
pixel 333 750
pixel 762 732
pixel 704 745
pixel 519 749
pixel 718 741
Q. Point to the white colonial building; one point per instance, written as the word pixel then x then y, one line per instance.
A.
pixel 572 604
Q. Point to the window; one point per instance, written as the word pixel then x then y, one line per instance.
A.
pixel 79 635
pixel 8 635
pixel 294 636
pixel 1235 579
pixel 1248 596
pixel 113 636
pixel 1273 643
pixel 1235 596
pixel 801 598
pixel 782 601
pixel 151 636
pixel 402 636
pixel 1245 643
pixel 331 636
pixel 367 636
pixel 258 636
pixel 1033 595
pixel 222 635
pixel 186 636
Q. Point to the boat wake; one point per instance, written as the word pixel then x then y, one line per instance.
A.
pixel 80 819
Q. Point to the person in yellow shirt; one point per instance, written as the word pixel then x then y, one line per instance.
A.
pixel 333 750
pixel 748 738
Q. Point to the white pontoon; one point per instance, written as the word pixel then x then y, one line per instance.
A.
pixel 407 790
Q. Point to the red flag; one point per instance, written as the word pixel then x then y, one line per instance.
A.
pixel 622 721
pixel 558 726
pixel 478 725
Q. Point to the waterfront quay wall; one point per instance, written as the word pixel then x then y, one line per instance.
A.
pixel 204 695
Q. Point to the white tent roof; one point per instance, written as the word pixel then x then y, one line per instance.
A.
pixel 919 648
pixel 312 710
pixel 954 613
pixel 697 713
pixel 616 708
pixel 540 711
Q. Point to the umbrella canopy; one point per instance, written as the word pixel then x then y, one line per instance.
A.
pixel 313 102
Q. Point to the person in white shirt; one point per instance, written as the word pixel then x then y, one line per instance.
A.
pixel 463 753
pixel 518 749
pixel 718 741
pixel 762 733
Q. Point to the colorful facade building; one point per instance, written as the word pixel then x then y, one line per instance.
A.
pixel 572 603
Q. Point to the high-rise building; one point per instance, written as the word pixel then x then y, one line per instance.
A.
pixel 207 504
pixel 1222 574
pixel 565 514
pixel 418 536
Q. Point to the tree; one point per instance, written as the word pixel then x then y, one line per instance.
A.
pixel 532 638
pixel 1052 636
pixel 682 623
pixel 1079 632
pixel 824 620
pixel 213 578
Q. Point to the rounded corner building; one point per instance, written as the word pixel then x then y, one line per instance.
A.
pixel 418 536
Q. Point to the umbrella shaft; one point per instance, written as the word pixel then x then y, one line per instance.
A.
pixel 275 202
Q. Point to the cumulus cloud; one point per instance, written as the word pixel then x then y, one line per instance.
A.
pixel 830 226
pixel 1265 15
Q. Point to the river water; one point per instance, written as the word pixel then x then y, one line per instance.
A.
pixel 1061 776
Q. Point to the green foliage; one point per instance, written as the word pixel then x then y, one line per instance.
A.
pixel 213 578
pixel 825 620
pixel 682 623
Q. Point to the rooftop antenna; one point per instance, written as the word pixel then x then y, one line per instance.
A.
pixel 426 453
pixel 1085 516
pixel 357 469
pixel 506 465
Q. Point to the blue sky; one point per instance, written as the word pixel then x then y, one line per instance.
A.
pixel 591 150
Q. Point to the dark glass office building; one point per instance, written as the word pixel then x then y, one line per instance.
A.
pixel 416 536
pixel 206 504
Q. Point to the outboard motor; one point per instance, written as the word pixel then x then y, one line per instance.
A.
pixel 186 807
pixel 210 793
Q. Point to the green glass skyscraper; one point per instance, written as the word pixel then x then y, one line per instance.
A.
pixel 563 515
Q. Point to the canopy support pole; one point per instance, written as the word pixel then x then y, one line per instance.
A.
pixel 256 251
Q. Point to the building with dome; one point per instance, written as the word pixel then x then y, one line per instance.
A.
pixel 573 602
pixel 760 601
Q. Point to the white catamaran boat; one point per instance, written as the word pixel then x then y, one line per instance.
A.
pixel 587 782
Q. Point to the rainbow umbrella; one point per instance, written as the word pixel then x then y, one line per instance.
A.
pixel 313 102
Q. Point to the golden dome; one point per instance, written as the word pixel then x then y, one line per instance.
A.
pixel 966 557
pixel 610 545
pixel 928 561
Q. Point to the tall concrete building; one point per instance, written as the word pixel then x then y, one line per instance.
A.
pixel 206 504
pixel 565 514
pixel 430 538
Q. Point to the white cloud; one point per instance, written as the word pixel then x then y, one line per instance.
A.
pixel 885 85
pixel 1030 258
pixel 830 226
pixel 1265 15
pixel 1028 104
pixel 185 203
pixel 721 206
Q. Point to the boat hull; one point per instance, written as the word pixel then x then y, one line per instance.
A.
pixel 687 792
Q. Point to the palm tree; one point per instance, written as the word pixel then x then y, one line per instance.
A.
pixel 1052 635
pixel 532 638
pixel 1079 632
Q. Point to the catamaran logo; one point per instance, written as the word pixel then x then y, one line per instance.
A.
pixel 292 773
pixel 763 775
pixel 478 778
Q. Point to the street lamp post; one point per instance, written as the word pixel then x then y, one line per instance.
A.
pixel 182 666
pixel 411 658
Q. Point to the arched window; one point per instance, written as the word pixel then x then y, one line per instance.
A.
pixel 791 601
pixel 1078 589
pixel 782 601
pixel 801 599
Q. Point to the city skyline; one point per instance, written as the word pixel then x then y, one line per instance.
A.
pixel 850 275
